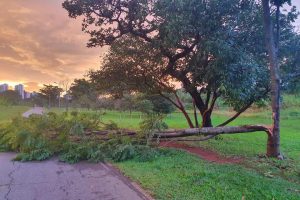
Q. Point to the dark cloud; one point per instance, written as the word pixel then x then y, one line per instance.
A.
pixel 40 44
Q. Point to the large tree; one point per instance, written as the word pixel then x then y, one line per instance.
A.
pixel 213 48
pixel 83 93
pixel 200 44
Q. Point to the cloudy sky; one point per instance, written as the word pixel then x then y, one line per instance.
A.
pixel 40 44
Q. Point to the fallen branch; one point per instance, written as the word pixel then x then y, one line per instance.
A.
pixel 211 131
pixel 208 132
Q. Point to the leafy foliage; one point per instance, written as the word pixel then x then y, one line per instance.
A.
pixel 123 152
pixel 83 93
pixel 40 137
pixel 10 97
pixel 51 93
pixel 217 46
pixel 151 124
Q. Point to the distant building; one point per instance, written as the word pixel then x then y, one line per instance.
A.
pixel 3 87
pixel 33 94
pixel 27 95
pixel 20 89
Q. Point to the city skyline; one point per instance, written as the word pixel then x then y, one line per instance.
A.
pixel 11 86
pixel 19 88
pixel 40 44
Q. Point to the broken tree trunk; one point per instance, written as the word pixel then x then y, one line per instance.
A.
pixel 212 131
pixel 207 132
pixel 273 149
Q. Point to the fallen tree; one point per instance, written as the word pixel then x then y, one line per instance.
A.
pixel 212 131
pixel 207 132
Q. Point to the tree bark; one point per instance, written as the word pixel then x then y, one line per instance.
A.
pixel 180 106
pixel 206 119
pixel 187 117
pixel 273 149
pixel 182 109
pixel 195 115
pixel 212 131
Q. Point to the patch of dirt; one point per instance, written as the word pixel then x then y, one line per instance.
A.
pixel 202 153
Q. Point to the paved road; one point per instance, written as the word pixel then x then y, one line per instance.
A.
pixel 53 180
pixel 34 110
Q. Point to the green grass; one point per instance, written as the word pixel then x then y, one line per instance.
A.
pixel 8 112
pixel 183 176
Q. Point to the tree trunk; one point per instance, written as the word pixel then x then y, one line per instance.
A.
pixel 187 117
pixel 273 149
pixel 180 106
pixel 211 131
pixel 195 115
pixel 206 119
pixel 182 109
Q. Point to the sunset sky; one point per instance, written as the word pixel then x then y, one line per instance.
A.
pixel 39 44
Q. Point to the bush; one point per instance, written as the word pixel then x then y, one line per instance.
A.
pixel 74 152
pixel 124 152
pixel 146 153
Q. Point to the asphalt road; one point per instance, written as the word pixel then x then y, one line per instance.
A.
pixel 54 180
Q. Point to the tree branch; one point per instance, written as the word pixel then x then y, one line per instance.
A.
pixel 243 109
pixel 236 114
pixel 211 131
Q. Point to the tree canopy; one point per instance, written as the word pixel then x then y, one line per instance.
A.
pixel 51 93
pixel 207 46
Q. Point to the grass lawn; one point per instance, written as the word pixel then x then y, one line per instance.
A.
pixel 8 112
pixel 180 175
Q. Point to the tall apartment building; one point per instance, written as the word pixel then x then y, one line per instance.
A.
pixel 20 89
pixel 3 87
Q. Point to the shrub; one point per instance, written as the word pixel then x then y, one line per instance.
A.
pixel 124 152
pixel 146 153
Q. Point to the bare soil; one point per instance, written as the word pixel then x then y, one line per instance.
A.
pixel 205 154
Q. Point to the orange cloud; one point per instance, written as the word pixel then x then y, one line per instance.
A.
pixel 40 44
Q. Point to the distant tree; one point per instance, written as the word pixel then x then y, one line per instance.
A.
pixel 160 104
pixel 127 102
pixel 290 67
pixel 10 97
pixel 65 85
pixel 144 106
pixel 83 93
pixel 38 99
pixel 51 93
